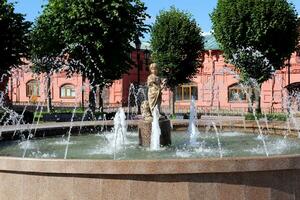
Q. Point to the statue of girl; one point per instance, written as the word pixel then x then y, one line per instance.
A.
pixel 155 87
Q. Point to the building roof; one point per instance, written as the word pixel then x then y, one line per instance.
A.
pixel 210 43
pixel 144 45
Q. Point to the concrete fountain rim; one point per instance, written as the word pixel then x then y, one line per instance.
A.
pixel 139 167
pixel 144 167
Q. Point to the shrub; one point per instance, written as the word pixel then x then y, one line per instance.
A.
pixel 270 116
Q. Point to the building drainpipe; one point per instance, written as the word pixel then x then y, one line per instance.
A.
pixel 289 82
pixel 11 90
pixel 289 71
pixel 273 98
pixel 213 77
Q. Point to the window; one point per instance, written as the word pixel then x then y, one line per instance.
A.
pixel 32 88
pixel 237 93
pixel 67 91
pixel 298 56
pixel 186 92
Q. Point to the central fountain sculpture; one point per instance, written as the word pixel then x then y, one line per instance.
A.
pixel 155 125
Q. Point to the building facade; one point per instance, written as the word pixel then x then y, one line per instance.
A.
pixel 215 87
pixel 26 88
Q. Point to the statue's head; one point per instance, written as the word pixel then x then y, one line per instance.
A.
pixel 153 69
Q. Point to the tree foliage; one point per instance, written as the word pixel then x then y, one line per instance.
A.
pixel 14 37
pixel 268 27
pixel 176 42
pixel 96 35
pixel 298 30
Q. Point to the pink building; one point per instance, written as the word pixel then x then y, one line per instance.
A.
pixel 214 87
pixel 26 88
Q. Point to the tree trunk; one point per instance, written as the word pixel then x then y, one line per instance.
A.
pixel 258 98
pixel 273 97
pixel 100 100
pixel 82 91
pixel 92 99
pixel 49 100
pixel 172 101
pixel 250 98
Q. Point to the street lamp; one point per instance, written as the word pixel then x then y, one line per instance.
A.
pixel 147 56
pixel 138 43
pixel 273 72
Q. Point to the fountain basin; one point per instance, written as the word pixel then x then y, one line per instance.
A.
pixel 145 129
pixel 60 128
pixel 228 178
pixel 276 177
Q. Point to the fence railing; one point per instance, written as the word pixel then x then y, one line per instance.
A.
pixel 178 108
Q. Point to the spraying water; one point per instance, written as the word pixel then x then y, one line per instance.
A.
pixel 120 129
pixel 192 129
pixel 218 138
pixel 156 132
pixel 69 133
pixel 123 121
pixel 83 118
pixel 248 96
pixel 138 95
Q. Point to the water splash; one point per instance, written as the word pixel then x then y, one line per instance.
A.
pixel 136 95
pixel 218 138
pixel 248 96
pixel 120 129
pixel 156 132
pixel 69 133
pixel 192 129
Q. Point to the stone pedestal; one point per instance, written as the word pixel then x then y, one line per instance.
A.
pixel 145 128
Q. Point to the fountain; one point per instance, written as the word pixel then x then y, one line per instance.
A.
pixel 155 128
pixel 135 159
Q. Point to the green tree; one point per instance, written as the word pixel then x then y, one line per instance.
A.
pixel 95 35
pixel 46 46
pixel 251 29
pixel 298 29
pixel 14 37
pixel 176 42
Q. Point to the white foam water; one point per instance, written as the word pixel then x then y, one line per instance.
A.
pixel 192 129
pixel 156 132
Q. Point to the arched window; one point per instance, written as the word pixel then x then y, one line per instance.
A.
pixel 237 93
pixel 67 91
pixel 32 88
pixel 186 92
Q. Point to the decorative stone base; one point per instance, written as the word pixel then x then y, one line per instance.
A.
pixel 145 127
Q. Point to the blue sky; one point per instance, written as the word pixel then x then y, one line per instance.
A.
pixel 200 9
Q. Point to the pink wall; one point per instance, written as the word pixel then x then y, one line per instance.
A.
pixel 211 77
pixel 118 92
pixel 20 77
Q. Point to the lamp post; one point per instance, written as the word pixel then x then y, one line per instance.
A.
pixel 289 71
pixel 273 73
pixel 138 48
pixel 147 56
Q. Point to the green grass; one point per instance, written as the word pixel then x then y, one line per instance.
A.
pixel 270 116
